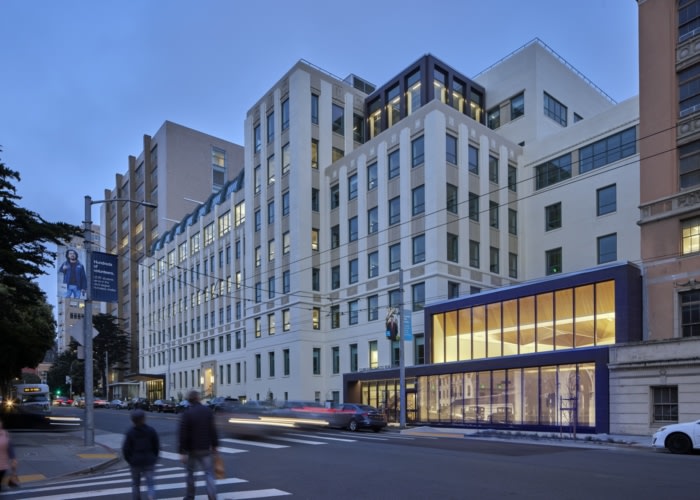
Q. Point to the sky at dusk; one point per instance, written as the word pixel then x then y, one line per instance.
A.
pixel 81 82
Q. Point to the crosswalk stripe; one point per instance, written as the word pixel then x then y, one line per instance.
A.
pixel 325 437
pixel 243 495
pixel 123 490
pixel 292 440
pixel 253 443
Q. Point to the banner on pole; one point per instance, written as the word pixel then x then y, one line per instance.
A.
pixel 104 277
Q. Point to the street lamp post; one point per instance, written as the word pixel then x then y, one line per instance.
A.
pixel 89 439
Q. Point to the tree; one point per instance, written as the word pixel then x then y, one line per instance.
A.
pixel 67 364
pixel 26 319
pixel 111 345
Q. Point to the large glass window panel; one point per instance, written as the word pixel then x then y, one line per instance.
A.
pixel 479 332
pixel 586 395
pixel 457 398
pixel 564 322
pixel 413 92
pixel 501 408
pixel 440 85
pixel 451 336
pixel 438 338
pixel 548 395
pixel 444 389
pixel 545 322
pixel 530 396
pixel 484 395
pixel 510 327
pixel 515 395
pixel 585 316
pixel 605 313
pixel 465 334
pixel 568 392
pixel 494 348
pixel 393 105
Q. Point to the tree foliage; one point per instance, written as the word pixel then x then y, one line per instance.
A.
pixel 111 345
pixel 27 325
pixel 67 364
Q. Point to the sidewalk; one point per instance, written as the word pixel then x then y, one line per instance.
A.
pixel 49 455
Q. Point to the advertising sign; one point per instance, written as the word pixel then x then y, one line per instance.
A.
pixel 104 277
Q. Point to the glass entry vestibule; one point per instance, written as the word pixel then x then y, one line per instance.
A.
pixel 534 358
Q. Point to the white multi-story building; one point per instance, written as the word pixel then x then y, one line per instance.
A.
pixel 356 200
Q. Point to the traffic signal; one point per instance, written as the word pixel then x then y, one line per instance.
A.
pixel 58 392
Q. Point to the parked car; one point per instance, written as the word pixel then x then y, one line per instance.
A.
pixel 100 403
pixel 678 438
pixel 164 405
pixel 357 416
pixel 59 401
pixel 219 401
pixel 118 404
pixel 139 403
pixel 182 406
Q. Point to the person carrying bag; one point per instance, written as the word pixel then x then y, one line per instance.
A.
pixel 8 461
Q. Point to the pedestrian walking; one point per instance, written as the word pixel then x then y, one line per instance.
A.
pixel 140 449
pixel 8 461
pixel 198 442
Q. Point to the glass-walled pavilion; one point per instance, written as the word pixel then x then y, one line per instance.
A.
pixel 532 356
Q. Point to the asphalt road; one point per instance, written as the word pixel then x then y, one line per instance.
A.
pixel 335 464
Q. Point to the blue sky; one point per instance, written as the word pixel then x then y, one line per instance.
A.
pixel 81 82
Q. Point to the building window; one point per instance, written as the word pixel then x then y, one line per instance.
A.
pixel 552 217
pixel 338 119
pixel 316 368
pixel 373 264
pixel 493 118
pixel 452 247
pixel 554 109
pixel 353 271
pixel 473 160
pixel 608 150
pixel 258 366
pixel 314 109
pixel 512 222
pixel 335 355
pixel 419 349
pixel 258 328
pixel 271 288
pixel 335 277
pixel 512 178
pixel 373 354
pixel 286 320
pixel 335 236
pixel 394 164
pixel 513 265
pixel 286 281
pixel 394 210
pixel 315 200
pixel 373 308
pixel 314 153
pixel 553 261
pixel 419 249
pixel 474 207
pixel 553 171
pixel 372 220
pixel 258 220
pixel 665 403
pixel 690 234
pixel 353 357
pixel 474 254
pixel 358 128
pixel 418 200
pixel 270 127
pixel 271 169
pixel 286 242
pixel 286 159
pixel 690 313
pixel 393 105
pixel 494 265
pixel 607 248
pixel 689 164
pixel 606 199
pixel 257 138
pixel 315 279
pixel 418 296
pixel 353 312
pixel 493 214
pixel 314 240
pixel 372 176
pixel 335 196
pixel 413 92
pixel 451 198
pixel 517 106
pixel 352 187
pixel 335 316
pixel 271 212
pixel 395 257
pixel 286 362
pixel 689 90
pixel 452 289
pixel 353 229
pixel 316 318
pixel 285 114
pixel 417 151
pixel 451 149
pixel 493 169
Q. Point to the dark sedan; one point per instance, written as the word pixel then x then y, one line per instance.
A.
pixel 354 417
pixel 164 405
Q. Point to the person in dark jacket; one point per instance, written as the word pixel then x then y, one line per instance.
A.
pixel 198 441
pixel 140 449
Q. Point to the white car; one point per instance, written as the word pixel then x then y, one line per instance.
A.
pixel 678 438
pixel 118 404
